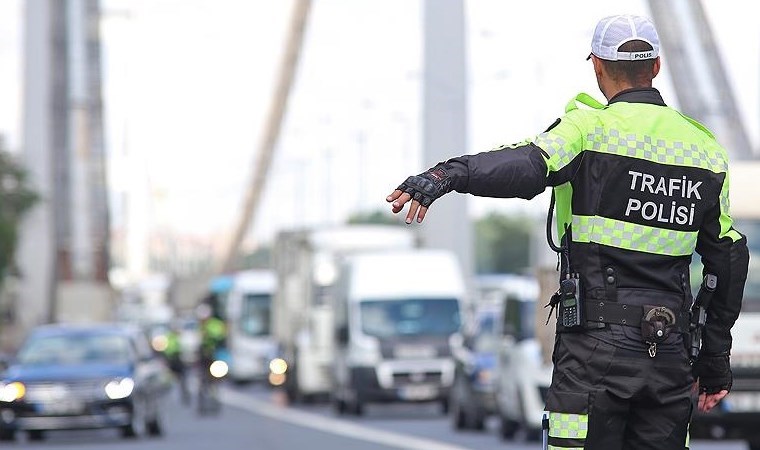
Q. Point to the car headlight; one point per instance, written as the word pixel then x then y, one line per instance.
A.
pixel 278 366
pixel 121 388
pixel 12 391
pixel 218 368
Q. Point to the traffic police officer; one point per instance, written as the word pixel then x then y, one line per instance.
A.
pixel 639 187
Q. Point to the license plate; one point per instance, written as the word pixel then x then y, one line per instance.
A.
pixel 61 407
pixel 421 392
pixel 742 401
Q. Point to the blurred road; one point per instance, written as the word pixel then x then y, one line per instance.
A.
pixel 255 418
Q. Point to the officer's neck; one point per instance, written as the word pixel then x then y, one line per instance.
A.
pixel 612 88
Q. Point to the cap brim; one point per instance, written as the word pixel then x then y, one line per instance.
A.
pixel 589 56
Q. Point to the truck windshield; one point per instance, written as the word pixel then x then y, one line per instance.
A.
pixel 750 229
pixel 410 317
pixel 255 316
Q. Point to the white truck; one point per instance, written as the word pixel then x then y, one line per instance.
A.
pixel 249 331
pixel 737 416
pixel 395 315
pixel 306 265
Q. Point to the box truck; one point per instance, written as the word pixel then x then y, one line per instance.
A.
pixel 306 265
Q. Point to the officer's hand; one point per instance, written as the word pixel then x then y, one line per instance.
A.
pixel 713 373
pixel 422 190
pixel 708 401
pixel 399 199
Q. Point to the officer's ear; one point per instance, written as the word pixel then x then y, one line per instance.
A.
pixel 656 67
pixel 598 66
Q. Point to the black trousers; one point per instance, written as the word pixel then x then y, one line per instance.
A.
pixel 606 398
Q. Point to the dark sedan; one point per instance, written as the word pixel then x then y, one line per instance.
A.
pixel 83 377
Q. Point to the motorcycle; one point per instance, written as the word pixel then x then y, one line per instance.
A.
pixel 211 377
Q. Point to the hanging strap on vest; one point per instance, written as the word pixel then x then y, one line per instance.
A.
pixel 584 99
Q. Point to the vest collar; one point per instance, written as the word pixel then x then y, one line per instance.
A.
pixel 639 95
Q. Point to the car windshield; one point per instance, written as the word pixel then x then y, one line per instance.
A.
pixel 410 317
pixel 75 349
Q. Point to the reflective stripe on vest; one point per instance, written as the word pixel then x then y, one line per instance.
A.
pixel 631 236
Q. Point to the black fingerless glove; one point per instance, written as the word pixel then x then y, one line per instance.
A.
pixel 714 373
pixel 428 186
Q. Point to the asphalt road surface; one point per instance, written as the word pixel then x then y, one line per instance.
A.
pixel 257 418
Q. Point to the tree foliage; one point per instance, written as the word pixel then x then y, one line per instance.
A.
pixel 503 243
pixel 377 217
pixel 261 258
pixel 16 197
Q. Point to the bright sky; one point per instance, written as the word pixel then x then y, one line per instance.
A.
pixel 187 84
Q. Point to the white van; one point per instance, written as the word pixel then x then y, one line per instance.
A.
pixel 737 415
pixel 523 377
pixel 395 313
pixel 249 318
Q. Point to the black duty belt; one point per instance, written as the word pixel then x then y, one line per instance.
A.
pixel 629 315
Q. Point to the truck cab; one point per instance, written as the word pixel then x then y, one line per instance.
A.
pixel 395 314
pixel 249 331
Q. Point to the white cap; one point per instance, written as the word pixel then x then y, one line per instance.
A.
pixel 614 31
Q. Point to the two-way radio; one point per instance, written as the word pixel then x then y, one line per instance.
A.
pixel 568 297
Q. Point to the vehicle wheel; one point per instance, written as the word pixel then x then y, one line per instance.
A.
pixel 456 409
pixel 458 416
pixel 241 382
pixel 216 401
pixel 208 399
pixel 307 399
pixel 339 406
pixel 137 423
pixel 154 426
pixel 445 406
pixel 533 435
pixel 36 435
pixel 355 407
pixel 202 402
pixel 7 435
pixel 479 421
pixel 291 385
pixel 508 428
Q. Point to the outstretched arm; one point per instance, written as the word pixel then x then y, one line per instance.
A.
pixel 516 171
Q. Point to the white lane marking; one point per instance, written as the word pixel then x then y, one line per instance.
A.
pixel 329 425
